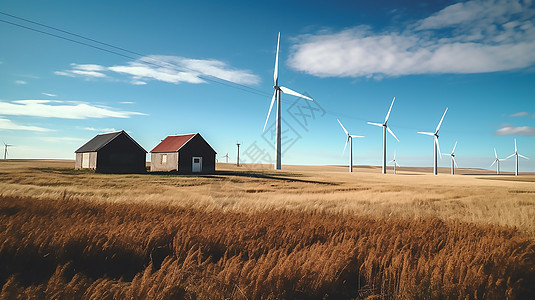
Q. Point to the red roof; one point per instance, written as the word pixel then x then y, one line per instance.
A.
pixel 173 143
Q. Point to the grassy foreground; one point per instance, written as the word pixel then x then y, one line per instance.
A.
pixel 77 249
pixel 255 234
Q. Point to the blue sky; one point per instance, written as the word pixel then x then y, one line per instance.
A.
pixel 208 67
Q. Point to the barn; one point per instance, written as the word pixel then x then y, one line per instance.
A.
pixel 188 153
pixel 113 152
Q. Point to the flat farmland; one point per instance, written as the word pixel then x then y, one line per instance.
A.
pixel 250 232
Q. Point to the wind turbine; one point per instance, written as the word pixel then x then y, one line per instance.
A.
pixel 436 146
pixel 395 162
pixel 5 149
pixel 497 162
pixel 453 162
pixel 385 128
pixel 226 157
pixel 517 155
pixel 277 95
pixel 350 139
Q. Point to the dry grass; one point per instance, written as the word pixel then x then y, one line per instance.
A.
pixel 307 232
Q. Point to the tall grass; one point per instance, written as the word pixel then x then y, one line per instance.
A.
pixel 71 248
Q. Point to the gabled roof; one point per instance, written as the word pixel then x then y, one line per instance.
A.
pixel 173 143
pixel 102 140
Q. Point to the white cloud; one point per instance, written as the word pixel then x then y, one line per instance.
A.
pixel 470 37
pixel 49 95
pixel 62 139
pixel 521 130
pixel 6 124
pixel 100 129
pixel 171 69
pixel 519 114
pixel 127 102
pixel 84 70
pixel 20 82
pixel 61 109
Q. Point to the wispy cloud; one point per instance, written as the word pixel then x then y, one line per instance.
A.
pixel 471 37
pixel 61 139
pixel 521 130
pixel 127 102
pixel 61 109
pixel 20 82
pixel 6 124
pixel 84 70
pixel 171 69
pixel 100 129
pixel 519 114
pixel 49 95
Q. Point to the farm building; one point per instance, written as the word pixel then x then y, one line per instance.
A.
pixel 114 152
pixel 188 153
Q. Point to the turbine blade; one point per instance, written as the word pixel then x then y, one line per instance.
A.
pixel 454 162
pixel 426 133
pixel 356 136
pixel 493 162
pixel 270 108
pixel 438 147
pixel 294 93
pixel 392 133
pixel 347 140
pixel 495 155
pixel 376 124
pixel 342 127
pixel 515 147
pixel 276 71
pixel 397 164
pixel 522 156
pixel 440 123
pixel 509 156
pixel 453 151
pixel 388 114
pixel 394 155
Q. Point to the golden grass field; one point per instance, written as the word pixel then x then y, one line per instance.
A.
pixel 251 233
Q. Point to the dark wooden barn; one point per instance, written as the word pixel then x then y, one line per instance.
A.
pixel 114 152
pixel 188 153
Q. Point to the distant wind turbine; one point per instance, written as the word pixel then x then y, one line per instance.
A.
pixel 277 95
pixel 350 139
pixel 453 162
pixel 385 128
pixel 226 157
pixel 435 143
pixel 395 162
pixel 497 162
pixel 5 149
pixel 516 162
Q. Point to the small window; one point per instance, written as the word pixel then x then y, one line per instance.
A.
pixel 196 160
pixel 164 158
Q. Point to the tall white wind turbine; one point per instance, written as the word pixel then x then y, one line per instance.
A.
pixel 5 149
pixel 350 139
pixel 453 162
pixel 277 95
pixel 385 128
pixel 516 161
pixel 497 162
pixel 435 143
pixel 395 162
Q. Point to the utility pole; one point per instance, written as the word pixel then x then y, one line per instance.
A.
pixel 238 159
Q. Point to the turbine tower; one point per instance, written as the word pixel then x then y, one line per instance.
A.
pixel 385 128
pixel 277 95
pixel 453 162
pixel 395 162
pixel 497 162
pixel 5 149
pixel 516 161
pixel 436 146
pixel 350 139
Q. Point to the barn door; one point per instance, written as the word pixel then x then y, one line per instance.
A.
pixel 85 160
pixel 196 164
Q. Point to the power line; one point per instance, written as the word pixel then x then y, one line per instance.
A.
pixel 210 78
